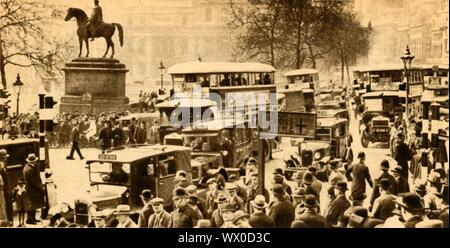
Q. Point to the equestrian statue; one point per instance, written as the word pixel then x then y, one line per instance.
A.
pixel 94 27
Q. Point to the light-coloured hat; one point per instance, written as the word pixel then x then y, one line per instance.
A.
pixel 157 200
pixel 32 158
pixel 259 202
pixel 123 210
pixel 3 153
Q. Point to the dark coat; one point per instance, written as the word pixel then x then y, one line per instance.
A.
pixel 118 137
pixel 144 215
pixel 411 223
pixel 34 186
pixel 238 203
pixel 313 220
pixel 336 209
pixel 402 154
pixel 402 185
pixel 282 212
pixel 184 216
pixel 376 186
pixel 132 130
pixel 7 192
pixel 22 201
pixel 163 220
pixel 358 174
pixel 261 220
pixel 383 206
pixel 216 219
pixel 140 135
pixel 105 136
pixel 75 135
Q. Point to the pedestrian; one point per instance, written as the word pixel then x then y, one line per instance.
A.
pixel 307 185
pixel 339 205
pixel 132 131
pixel 147 210
pixel 434 186
pixel 201 203
pixel 358 174
pixel 123 213
pixel 334 177
pixel 217 215
pixel 279 180
pixel 281 210
pixel 21 200
pixel 315 184
pixel 259 218
pixel 401 181
pixel 181 179
pixel 411 209
pixel 356 202
pixel 384 167
pixel 240 189
pixel 6 198
pixel 360 219
pixel 154 133
pixel 105 135
pixel 118 135
pixel 33 186
pixel 50 193
pixel 227 213
pixel 415 145
pixel 160 218
pixel 141 133
pixel 240 219
pixel 193 202
pixel 233 198
pixel 250 167
pixel 402 154
pixel 384 205
pixel 211 196
pixel 311 217
pixel 442 205
pixel 182 216
pixel 253 190
pixel 75 139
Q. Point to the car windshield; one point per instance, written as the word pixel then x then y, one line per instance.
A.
pixel 375 105
pixel 109 173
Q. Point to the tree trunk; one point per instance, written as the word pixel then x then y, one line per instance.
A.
pixel 313 56
pixel 2 66
pixel 342 68
pixel 348 72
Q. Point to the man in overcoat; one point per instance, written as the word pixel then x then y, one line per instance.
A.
pixel 33 186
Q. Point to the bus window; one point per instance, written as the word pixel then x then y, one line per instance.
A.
pixel 225 80
pixel 191 78
pixel 205 82
pixel 267 79
pixel 259 79
pixel 214 80
pixel 167 165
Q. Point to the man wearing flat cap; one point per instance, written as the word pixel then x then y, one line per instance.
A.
pixel 358 174
pixel 160 218
pixel 211 196
pixel 217 215
pixel 339 205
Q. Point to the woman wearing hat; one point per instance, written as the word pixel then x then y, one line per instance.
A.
pixel 33 186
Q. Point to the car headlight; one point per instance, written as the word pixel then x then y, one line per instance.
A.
pixel 317 155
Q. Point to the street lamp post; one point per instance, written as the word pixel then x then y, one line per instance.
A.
pixel 407 59
pixel 161 70
pixel 17 88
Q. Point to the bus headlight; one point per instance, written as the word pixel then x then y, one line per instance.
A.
pixel 317 155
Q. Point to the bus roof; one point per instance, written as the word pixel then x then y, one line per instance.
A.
pixel 186 103
pixel 131 154
pixel 329 121
pixel 395 67
pixel 140 115
pixel 218 67
pixel 214 125
pixel 6 142
pixel 430 66
pixel 384 93
pixel 301 72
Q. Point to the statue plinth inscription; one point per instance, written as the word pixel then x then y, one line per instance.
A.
pixel 103 79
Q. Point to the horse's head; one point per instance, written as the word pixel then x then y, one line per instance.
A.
pixel 69 14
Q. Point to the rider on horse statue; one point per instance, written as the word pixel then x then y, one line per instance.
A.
pixel 95 20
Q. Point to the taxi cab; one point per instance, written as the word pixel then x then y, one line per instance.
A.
pixel 335 131
pixel 118 177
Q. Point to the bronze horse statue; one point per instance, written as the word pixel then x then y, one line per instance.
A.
pixel 105 30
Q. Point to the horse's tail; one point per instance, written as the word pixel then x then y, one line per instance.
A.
pixel 119 27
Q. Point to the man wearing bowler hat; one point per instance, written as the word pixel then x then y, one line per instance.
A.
pixel 217 217
pixel 259 218
pixel 4 183
pixel 33 186
pixel 402 154
pixel 384 167
pixel 339 205
pixel 281 210
pixel 384 205
pixel 160 218
pixel 402 182
pixel 147 210
pixel 182 216
pixel 358 174
pixel 311 217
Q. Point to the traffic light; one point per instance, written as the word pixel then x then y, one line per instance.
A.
pixel 48 104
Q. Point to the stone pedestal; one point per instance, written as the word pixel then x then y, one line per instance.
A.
pixel 94 85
